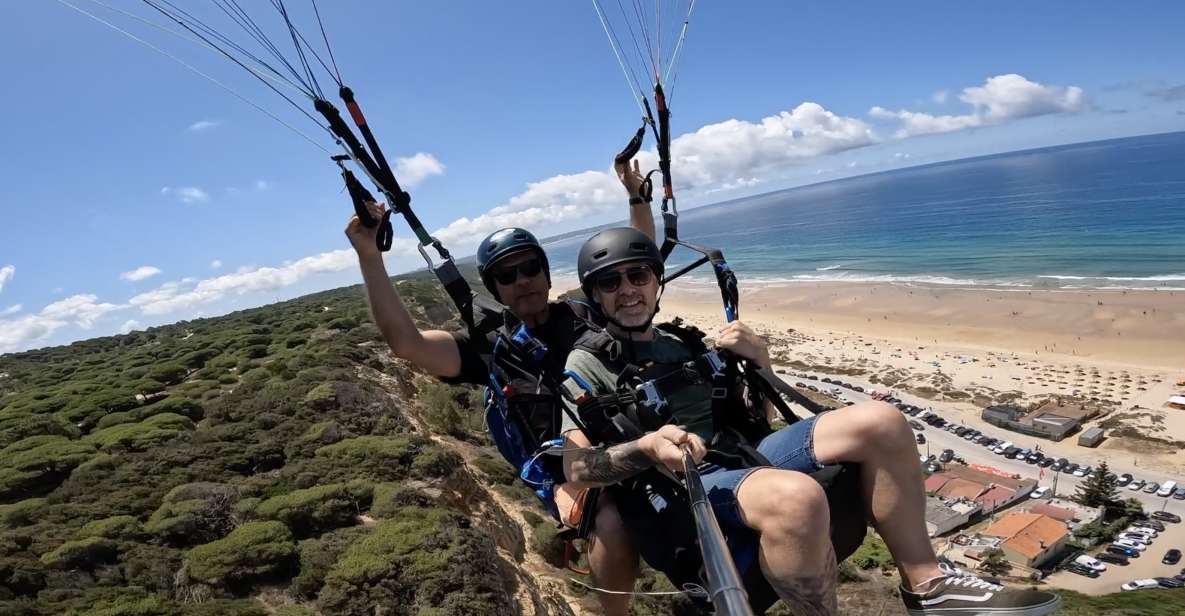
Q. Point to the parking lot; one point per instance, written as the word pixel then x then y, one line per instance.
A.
pixel 1148 565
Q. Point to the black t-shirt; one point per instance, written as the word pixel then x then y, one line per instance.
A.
pixel 559 333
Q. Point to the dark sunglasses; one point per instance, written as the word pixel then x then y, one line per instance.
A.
pixel 507 275
pixel 610 282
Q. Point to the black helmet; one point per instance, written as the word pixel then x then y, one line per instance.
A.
pixel 501 243
pixel 613 247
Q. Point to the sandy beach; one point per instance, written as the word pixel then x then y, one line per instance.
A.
pixel 966 348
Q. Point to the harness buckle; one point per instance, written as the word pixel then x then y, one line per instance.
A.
pixel 650 397
pixel 716 364
pixel 719 393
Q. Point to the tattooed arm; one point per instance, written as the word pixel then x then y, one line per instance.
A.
pixel 586 468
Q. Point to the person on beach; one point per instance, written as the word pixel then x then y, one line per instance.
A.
pixel 619 271
pixel 514 268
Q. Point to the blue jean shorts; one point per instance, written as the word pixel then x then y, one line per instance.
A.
pixel 791 448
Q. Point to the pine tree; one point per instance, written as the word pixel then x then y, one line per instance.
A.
pixel 1099 489
pixel 994 562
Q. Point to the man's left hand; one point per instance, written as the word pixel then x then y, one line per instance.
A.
pixel 742 340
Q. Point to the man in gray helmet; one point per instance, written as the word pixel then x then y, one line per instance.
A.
pixel 515 270
pixel 669 405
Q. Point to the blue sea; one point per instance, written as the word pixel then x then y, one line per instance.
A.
pixel 1105 214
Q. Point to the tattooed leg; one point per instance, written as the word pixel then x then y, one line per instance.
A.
pixel 790 511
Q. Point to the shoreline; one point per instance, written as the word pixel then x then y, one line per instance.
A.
pixel 965 349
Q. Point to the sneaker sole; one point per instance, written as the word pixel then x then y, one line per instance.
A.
pixel 1032 610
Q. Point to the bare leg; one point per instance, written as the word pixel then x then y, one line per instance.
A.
pixel 789 509
pixel 611 557
pixel 875 435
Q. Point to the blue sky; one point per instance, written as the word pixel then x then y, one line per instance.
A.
pixel 134 193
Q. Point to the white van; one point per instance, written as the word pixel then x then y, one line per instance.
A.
pixel 1167 488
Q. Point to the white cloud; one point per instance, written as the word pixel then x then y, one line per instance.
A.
pixel 721 156
pixel 13 309
pixel 215 264
pixel 128 326
pixel 415 169
pixel 203 125
pixel 6 274
pixel 83 310
pixel 24 332
pixel 901 156
pixel 186 194
pixel 262 185
pixel 939 96
pixel 172 296
pixel 1000 99
pixel 140 273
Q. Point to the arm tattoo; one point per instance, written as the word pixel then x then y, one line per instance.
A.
pixel 609 466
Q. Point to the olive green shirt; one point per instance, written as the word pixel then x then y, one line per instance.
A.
pixel 690 406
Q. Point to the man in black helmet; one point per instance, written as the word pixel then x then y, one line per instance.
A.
pixel 514 268
pixel 780 506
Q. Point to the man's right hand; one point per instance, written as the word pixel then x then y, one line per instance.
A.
pixel 631 177
pixel 665 446
pixel 363 238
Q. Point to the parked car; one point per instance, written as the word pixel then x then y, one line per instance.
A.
pixel 920 438
pixel 1070 468
pixel 1128 543
pixel 1171 557
pixel 1165 516
pixel 1059 464
pixel 1081 570
pixel 1045 462
pixel 1114 559
pixel 933 467
pixel 859 389
pixel 1122 550
pixel 1142 530
pixel 1123 480
pixel 1040 492
pixel 1153 524
pixel 1137 538
pixel 1083 471
pixel 1151 488
pixel 1168 582
pixel 1092 563
pixel 946 456
pixel 1140 584
pixel 1167 489
pixel 1136 485
pixel 1179 494
pixel 916 425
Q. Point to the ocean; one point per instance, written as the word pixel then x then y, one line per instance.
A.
pixel 1100 215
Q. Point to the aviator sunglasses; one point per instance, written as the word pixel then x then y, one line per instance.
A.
pixel 507 275
pixel 610 282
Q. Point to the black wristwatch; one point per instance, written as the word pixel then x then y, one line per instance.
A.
pixel 638 200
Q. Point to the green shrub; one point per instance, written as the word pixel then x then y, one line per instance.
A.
pixel 83 553
pixel 168 373
pixel 194 513
pixel 21 513
pixel 342 324
pixel 318 556
pixel 421 559
pixel 178 406
pixel 123 527
pixel 255 549
pixel 546 542
pixel 115 419
pixel 38 464
pixel 497 470
pixel 317 509
pixel 872 554
pixel 21 427
pixel 322 397
pixel 140 436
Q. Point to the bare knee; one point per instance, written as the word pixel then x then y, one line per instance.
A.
pixel 785 503
pixel 880 425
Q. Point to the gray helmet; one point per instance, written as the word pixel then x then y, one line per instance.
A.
pixel 611 248
pixel 501 243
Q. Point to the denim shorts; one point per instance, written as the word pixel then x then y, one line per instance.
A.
pixel 791 448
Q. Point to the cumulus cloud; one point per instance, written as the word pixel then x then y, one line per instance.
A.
pixel 83 310
pixel 6 274
pixel 129 326
pixel 203 125
pixel 216 264
pixel 80 310
pixel 186 194
pixel 189 292
pixel 13 309
pixel 415 169
pixel 1000 99
pixel 140 273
